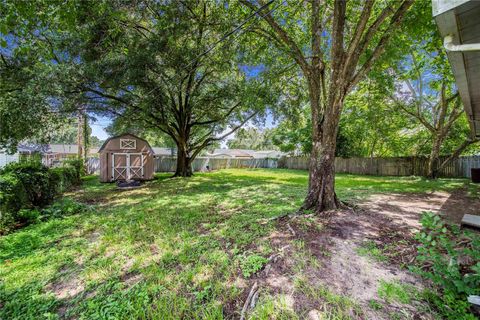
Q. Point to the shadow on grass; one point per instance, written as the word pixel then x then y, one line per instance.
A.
pixel 194 222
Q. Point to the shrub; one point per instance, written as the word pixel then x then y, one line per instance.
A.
pixel 36 181
pixel 29 185
pixel 64 178
pixel 449 257
pixel 12 194
pixel 63 207
pixel 282 162
pixel 28 215
pixel 78 165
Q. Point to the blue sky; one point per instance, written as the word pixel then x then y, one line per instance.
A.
pixel 98 127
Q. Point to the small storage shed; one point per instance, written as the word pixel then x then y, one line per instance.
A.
pixel 126 157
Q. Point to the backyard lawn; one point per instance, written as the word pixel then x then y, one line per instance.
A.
pixel 193 248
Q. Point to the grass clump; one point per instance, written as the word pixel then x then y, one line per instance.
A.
pixel 270 308
pixel 395 292
pixel 371 250
pixel 332 306
pixel 252 264
pixel 375 305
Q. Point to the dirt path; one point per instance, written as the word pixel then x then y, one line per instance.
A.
pixel 326 253
pixel 406 208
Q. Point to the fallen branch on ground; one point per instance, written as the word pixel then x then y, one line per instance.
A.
pixel 291 229
pixel 252 292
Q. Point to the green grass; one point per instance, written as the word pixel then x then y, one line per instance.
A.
pixel 396 292
pixel 371 250
pixel 172 249
pixel 334 307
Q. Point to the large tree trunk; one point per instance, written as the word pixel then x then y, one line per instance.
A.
pixel 184 163
pixel 433 158
pixel 321 185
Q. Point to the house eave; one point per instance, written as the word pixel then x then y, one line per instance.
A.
pixel 459 19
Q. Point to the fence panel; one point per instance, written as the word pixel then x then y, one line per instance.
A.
pixel 168 164
pixel 400 166
pixel 93 165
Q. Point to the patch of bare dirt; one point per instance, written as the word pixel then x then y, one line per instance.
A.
pixel 388 220
pixel 459 203
pixel 406 208
pixel 345 272
pixel 66 287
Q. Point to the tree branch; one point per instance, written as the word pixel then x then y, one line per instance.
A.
pixel 380 48
pixel 294 51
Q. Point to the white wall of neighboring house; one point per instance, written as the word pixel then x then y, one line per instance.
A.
pixel 6 158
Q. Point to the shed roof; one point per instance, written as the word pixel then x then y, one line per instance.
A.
pixel 121 136
pixel 461 19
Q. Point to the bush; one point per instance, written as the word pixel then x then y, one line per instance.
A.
pixel 282 162
pixel 64 178
pixel 78 165
pixel 28 215
pixel 449 257
pixel 61 208
pixel 12 198
pixel 36 180
pixel 30 185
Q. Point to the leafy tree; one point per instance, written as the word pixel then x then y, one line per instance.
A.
pixel 154 66
pixel 373 127
pixel 334 54
pixel 293 135
pixel 252 138
pixel 25 109
pixel 164 67
pixel 428 95
pixel 68 134
pixel 156 138
pixel 38 75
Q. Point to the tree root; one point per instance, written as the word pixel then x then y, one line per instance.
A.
pixel 291 229
pixel 249 302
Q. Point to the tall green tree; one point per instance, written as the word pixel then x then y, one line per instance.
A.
pixel 154 65
pixel 335 44
pixel 38 74
pixel 162 66
pixel 252 138
pixel 427 94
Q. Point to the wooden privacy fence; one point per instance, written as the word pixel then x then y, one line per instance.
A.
pixel 93 166
pixel 403 166
pixel 168 164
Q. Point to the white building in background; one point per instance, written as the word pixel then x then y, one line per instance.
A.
pixel 6 158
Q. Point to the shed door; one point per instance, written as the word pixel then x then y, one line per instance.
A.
pixel 127 166
pixel 136 166
pixel 119 166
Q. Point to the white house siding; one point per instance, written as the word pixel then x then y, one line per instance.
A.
pixel 7 158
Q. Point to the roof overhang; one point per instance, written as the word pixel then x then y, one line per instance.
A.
pixel 461 20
